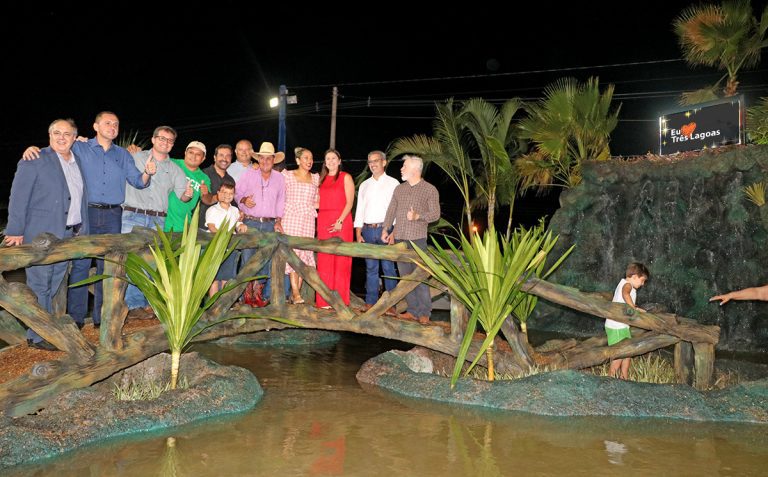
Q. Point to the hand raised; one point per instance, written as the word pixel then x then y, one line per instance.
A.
pixel 151 166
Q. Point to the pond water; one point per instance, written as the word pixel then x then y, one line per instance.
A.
pixel 316 420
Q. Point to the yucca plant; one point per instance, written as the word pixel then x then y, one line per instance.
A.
pixel 756 193
pixel 178 283
pixel 527 302
pixel 485 275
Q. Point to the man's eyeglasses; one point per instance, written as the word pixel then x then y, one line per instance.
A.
pixel 166 140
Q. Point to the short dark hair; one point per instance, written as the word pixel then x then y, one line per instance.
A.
pixel 637 268
pixel 227 184
pixel 223 146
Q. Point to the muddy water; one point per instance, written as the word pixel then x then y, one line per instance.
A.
pixel 316 420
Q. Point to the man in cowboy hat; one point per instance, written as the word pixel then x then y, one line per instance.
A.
pixel 260 196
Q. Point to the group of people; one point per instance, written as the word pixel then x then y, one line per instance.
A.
pixel 79 186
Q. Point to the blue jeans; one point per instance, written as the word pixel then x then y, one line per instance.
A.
pixel 247 253
pixel 44 280
pixel 101 221
pixel 419 300
pixel 372 235
pixel 133 296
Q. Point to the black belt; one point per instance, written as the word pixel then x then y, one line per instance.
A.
pixel 153 213
pixel 374 226
pixel 99 205
pixel 259 219
pixel 74 228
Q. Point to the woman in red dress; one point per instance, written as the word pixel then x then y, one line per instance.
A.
pixel 337 193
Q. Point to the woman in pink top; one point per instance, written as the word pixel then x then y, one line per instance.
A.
pixel 301 201
pixel 337 193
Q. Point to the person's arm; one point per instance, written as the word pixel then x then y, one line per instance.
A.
pixel 433 208
pixel 362 195
pixel 205 196
pixel 133 176
pixel 389 219
pixel 752 293
pixel 21 192
pixel 210 220
pixel 181 185
pixel 626 295
pixel 280 206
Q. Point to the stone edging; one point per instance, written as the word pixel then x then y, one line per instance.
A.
pixel 570 393
pixel 85 416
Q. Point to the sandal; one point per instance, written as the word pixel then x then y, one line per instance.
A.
pixel 297 301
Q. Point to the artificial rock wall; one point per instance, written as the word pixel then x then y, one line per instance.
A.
pixel 688 220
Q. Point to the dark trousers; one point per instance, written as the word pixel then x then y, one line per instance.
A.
pixel 44 280
pixel 101 221
pixel 372 235
pixel 419 300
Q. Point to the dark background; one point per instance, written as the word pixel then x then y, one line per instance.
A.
pixel 210 71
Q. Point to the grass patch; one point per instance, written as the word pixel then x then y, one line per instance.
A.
pixel 648 368
pixel 145 390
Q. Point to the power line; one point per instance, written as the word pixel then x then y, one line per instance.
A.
pixel 489 75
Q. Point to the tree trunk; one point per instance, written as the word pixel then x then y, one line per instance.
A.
pixel 489 357
pixel 175 357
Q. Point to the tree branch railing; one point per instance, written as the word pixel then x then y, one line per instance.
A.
pixel 86 364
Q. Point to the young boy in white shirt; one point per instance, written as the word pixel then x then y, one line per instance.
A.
pixel 626 292
pixel 214 217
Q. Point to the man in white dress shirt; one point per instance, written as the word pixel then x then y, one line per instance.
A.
pixel 373 200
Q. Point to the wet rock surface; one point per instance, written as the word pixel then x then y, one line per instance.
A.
pixel 84 416
pixel 572 393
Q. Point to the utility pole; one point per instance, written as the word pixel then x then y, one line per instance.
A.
pixel 282 98
pixel 333 116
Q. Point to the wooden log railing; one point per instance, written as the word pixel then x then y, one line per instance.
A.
pixel 86 364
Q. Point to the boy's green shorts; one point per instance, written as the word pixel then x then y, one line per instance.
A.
pixel 616 335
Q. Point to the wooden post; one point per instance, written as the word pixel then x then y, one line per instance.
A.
pixel 459 319
pixel 684 362
pixel 704 362
pixel 113 309
pixel 277 274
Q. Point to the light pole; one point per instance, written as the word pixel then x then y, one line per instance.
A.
pixel 281 107
pixel 282 100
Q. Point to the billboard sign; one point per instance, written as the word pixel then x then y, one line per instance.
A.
pixel 702 126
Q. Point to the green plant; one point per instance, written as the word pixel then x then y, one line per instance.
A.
pixel 757 121
pixel 648 368
pixel 756 193
pixel 527 302
pixel 724 36
pixel 132 138
pixel 486 276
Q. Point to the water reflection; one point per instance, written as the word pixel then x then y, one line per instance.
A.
pixel 316 420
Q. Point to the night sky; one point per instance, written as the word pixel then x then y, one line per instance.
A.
pixel 210 71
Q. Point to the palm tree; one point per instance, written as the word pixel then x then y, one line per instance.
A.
pixel 490 127
pixel 570 125
pixel 725 36
pixel 447 148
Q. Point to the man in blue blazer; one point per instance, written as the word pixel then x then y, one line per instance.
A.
pixel 48 195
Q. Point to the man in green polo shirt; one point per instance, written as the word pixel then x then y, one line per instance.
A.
pixel 178 211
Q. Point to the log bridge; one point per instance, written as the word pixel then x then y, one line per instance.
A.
pixel 85 363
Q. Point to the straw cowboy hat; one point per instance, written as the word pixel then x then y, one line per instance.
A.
pixel 267 149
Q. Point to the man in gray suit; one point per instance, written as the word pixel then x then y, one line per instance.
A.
pixel 47 195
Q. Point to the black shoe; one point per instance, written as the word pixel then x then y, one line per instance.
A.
pixel 80 325
pixel 44 345
pixel 97 325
